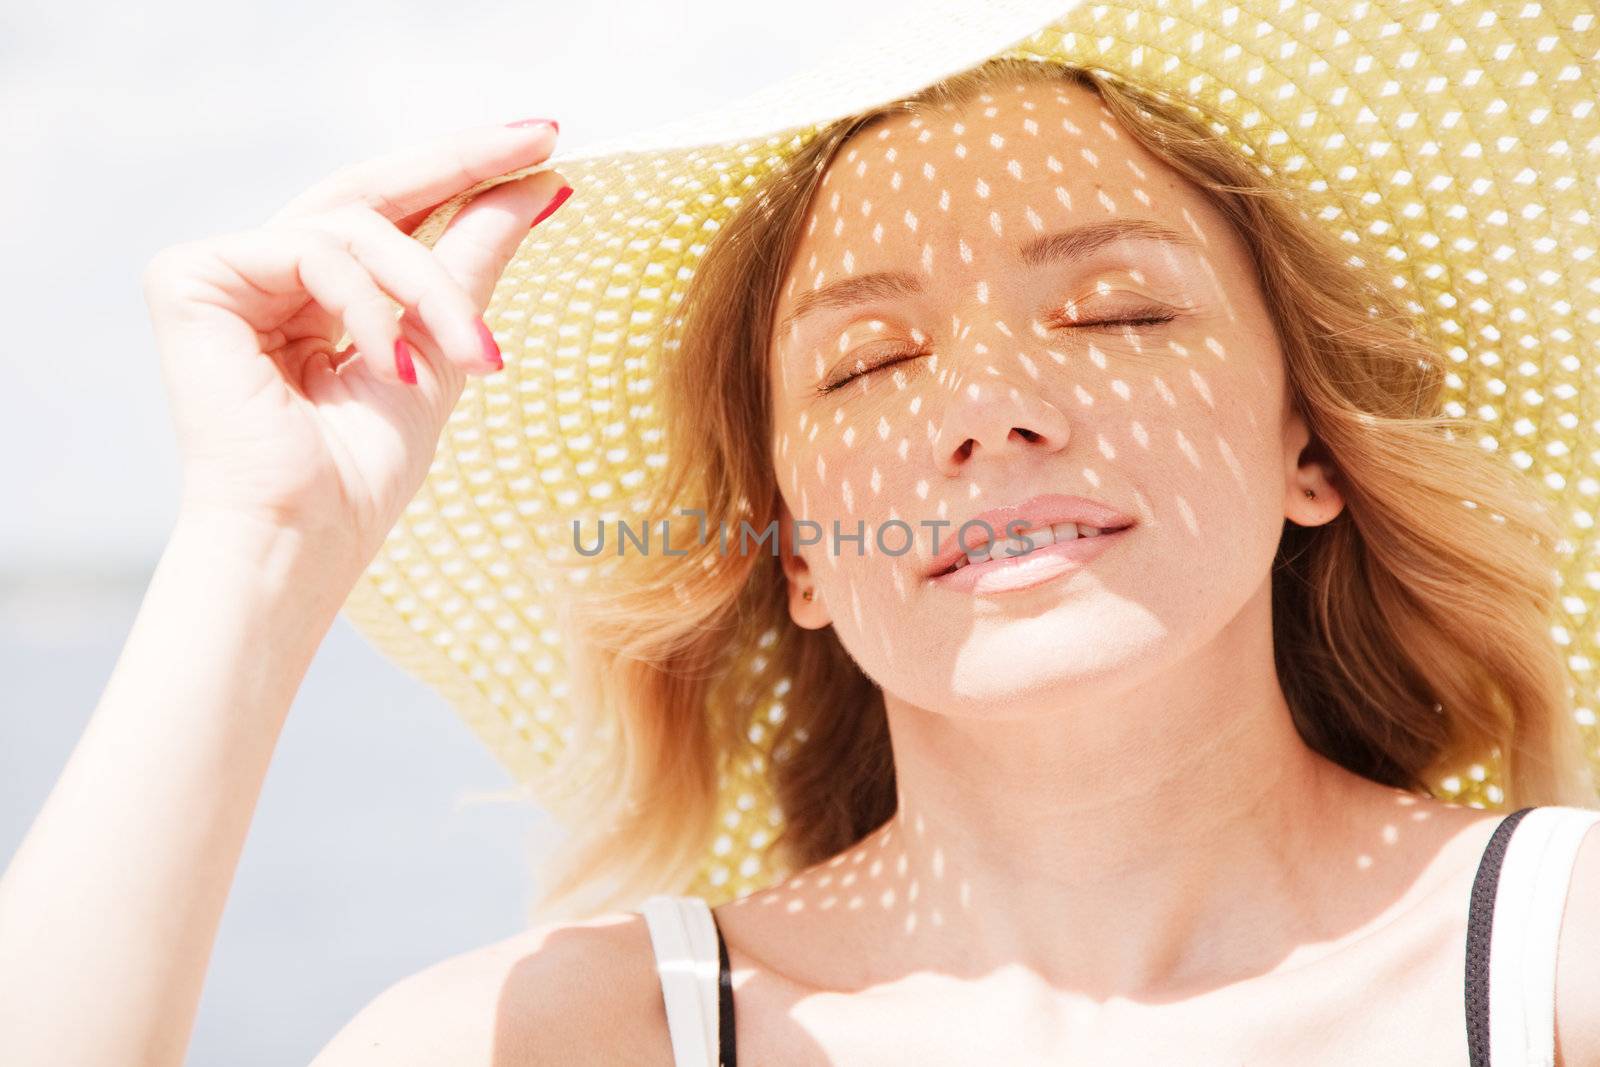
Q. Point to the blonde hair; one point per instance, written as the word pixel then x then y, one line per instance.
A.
pixel 1412 633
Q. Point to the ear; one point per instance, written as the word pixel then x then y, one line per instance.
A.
pixel 1310 496
pixel 808 614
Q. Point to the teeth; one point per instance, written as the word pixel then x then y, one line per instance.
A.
pixel 1040 537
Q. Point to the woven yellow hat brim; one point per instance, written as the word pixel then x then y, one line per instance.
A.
pixel 1457 142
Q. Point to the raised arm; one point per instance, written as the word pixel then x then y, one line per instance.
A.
pixel 109 908
pixel 293 475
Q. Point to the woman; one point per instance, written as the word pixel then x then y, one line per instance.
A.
pixel 1034 876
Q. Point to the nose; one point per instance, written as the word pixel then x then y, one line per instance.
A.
pixel 992 414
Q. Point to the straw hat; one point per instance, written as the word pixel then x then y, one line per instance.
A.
pixel 1458 141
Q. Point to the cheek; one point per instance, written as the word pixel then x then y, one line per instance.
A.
pixel 846 489
pixel 847 463
pixel 1196 410
pixel 1212 478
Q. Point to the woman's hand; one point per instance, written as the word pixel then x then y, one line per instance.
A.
pixel 247 323
pixel 293 475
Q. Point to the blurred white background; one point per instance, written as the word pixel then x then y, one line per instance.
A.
pixel 129 127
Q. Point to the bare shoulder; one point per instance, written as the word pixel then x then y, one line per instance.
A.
pixel 573 992
pixel 1578 961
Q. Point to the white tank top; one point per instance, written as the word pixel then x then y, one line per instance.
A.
pixel 1513 927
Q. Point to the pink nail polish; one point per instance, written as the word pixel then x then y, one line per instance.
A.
pixel 555 202
pixel 552 123
pixel 402 361
pixel 491 351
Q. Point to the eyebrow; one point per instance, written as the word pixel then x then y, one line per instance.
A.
pixel 1065 246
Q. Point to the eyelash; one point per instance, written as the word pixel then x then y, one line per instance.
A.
pixel 1138 317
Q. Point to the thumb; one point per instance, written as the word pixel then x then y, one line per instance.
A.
pixel 483 236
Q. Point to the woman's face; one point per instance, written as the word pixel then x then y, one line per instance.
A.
pixel 1005 388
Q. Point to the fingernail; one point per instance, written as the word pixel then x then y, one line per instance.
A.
pixel 555 202
pixel 552 123
pixel 491 351
pixel 402 361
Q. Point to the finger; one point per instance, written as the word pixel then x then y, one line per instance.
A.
pixel 339 283
pixel 307 263
pixel 401 184
pixel 485 234
pixel 409 271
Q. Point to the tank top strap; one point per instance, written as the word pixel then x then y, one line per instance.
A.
pixel 1513 929
pixel 687 949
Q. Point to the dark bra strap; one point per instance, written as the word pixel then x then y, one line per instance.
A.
pixel 1480 921
pixel 725 1044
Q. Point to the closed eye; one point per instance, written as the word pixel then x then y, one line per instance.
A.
pixel 899 355
pixel 1143 316
pixel 1150 316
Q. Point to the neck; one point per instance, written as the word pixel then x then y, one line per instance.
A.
pixel 1137 841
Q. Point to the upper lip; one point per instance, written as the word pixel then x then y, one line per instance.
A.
pixel 1036 511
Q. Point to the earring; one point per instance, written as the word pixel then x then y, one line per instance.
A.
pixel 806 595
pixel 1311 493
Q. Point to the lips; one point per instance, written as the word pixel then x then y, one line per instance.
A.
pixel 1032 533
pixel 1042 566
pixel 1038 511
